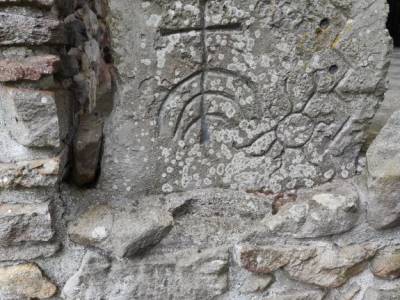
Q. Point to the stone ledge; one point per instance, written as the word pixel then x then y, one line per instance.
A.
pixel 30 68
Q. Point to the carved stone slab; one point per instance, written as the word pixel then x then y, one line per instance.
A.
pixel 258 95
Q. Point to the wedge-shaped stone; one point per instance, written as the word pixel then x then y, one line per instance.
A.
pixel 327 267
pixel 23 30
pixel 30 68
pixel 45 3
pixel 383 159
pixel 28 251
pixel 31 116
pixel 120 233
pixel 87 148
pixel 36 173
pixel 25 281
pixel 24 223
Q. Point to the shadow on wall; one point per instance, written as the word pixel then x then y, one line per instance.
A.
pixel 393 23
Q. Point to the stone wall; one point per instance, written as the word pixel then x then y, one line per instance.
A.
pixel 231 165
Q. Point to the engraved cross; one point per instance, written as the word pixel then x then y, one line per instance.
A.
pixel 203 28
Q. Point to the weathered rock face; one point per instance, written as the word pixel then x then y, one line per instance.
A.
pixel 25 281
pixel 325 267
pixel 242 94
pixel 384 176
pixel 327 210
pixel 387 263
pixel 226 113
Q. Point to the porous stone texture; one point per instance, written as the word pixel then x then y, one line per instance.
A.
pixel 25 281
pixel 231 165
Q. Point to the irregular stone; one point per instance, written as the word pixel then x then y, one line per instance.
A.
pixel 24 223
pixel 47 3
pixel 120 233
pixel 386 264
pixel 383 159
pixel 327 267
pixel 24 30
pixel 28 252
pixel 87 147
pixel 380 294
pixel 332 267
pixel 31 116
pixel 256 283
pixel 36 173
pixel 326 210
pixel 265 260
pixel 299 295
pixel 90 281
pixel 24 281
pixel 30 68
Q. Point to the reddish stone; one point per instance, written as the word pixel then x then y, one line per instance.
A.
pixel 31 68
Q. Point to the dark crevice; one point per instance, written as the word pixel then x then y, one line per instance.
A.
pixel 393 23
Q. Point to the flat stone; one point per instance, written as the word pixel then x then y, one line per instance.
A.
pixel 327 210
pixel 235 95
pixel 383 159
pixel 31 116
pixel 30 68
pixel 120 233
pixel 24 223
pixel 24 30
pixel 86 149
pixel 386 263
pixel 29 174
pixel 326 267
pixel 381 294
pixel 24 281
pixel 256 283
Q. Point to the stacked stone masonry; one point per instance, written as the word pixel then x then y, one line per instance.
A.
pixel 196 149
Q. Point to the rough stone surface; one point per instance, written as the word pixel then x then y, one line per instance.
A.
pixel 219 115
pixel 31 116
pixel 384 176
pixel 381 294
pixel 387 263
pixel 327 267
pixel 28 174
pixel 24 30
pixel 24 281
pixel 327 210
pixel 242 94
pixel 24 223
pixel 122 234
pixel 30 68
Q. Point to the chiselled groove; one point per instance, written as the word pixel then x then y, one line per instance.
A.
pixel 211 28
pixel 197 119
pixel 225 95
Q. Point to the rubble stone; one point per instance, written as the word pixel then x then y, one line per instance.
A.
pixel 386 263
pixel 24 281
pixel 24 223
